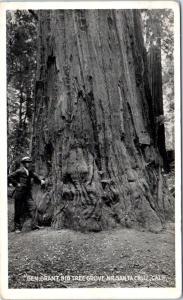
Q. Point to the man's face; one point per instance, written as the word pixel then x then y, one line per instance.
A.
pixel 27 165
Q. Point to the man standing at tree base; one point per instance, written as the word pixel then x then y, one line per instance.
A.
pixel 25 206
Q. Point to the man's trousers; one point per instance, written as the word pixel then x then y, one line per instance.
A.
pixel 25 208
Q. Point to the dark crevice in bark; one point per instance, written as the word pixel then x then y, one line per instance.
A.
pixel 48 151
pixel 89 99
pixel 51 61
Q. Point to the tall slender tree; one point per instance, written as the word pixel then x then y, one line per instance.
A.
pixel 158 30
pixel 21 69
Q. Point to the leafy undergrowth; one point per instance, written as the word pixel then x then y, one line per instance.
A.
pixel 118 258
pixel 170 180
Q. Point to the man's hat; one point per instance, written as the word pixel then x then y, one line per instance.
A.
pixel 26 159
pixel 106 181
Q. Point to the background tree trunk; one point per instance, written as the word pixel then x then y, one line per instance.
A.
pixel 94 129
pixel 155 80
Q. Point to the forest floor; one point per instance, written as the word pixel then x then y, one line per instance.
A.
pixel 117 258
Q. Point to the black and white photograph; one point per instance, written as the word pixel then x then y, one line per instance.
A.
pixel 92 131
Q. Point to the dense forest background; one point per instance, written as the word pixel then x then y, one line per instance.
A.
pixel 22 45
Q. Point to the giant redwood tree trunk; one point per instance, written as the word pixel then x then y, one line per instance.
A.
pixel 94 130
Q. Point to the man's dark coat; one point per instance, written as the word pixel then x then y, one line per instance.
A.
pixel 24 203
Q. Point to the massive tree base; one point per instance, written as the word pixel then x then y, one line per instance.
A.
pixel 94 128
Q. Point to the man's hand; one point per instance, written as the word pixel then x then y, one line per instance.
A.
pixel 43 183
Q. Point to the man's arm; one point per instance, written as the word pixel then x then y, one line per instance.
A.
pixel 14 177
pixel 37 179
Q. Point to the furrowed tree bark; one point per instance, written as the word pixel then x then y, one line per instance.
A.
pixel 94 132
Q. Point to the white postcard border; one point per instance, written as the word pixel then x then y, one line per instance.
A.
pixel 88 293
